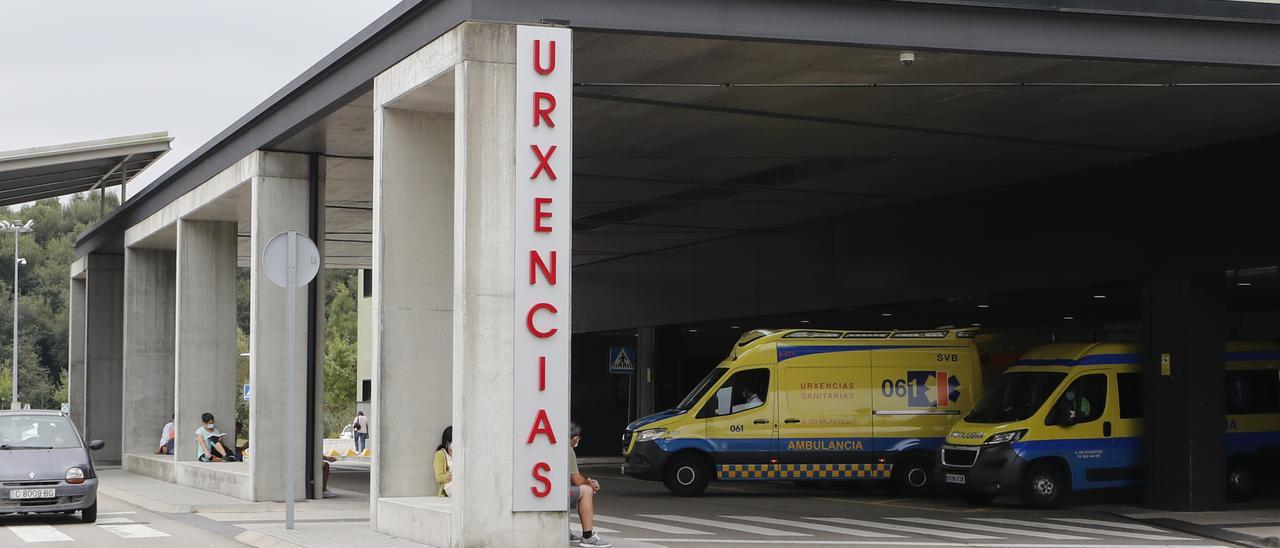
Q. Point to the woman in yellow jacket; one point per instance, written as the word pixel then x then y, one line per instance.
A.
pixel 444 462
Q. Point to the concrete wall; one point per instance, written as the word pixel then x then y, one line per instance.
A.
pixel 205 348
pixel 75 351
pixel 149 340
pixel 104 342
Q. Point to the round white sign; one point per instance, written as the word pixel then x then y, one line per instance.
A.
pixel 275 259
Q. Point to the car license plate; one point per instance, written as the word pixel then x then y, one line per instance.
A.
pixel 31 493
pixel 955 478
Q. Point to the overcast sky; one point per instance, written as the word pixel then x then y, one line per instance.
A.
pixel 74 70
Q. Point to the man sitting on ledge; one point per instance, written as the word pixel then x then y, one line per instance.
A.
pixel 210 446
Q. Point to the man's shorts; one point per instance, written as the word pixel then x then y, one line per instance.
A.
pixel 575 491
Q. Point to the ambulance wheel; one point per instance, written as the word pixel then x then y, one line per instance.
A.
pixel 687 476
pixel 1240 481
pixel 1045 485
pixel 912 478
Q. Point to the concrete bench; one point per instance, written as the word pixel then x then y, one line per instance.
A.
pixel 420 519
pixel 227 478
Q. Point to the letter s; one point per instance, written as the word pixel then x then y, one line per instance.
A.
pixel 538 475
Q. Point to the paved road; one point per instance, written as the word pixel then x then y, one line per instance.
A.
pixel 751 514
pixel 119 524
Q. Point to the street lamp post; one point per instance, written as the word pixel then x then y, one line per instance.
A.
pixel 16 228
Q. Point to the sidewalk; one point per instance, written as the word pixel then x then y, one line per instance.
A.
pixel 339 522
pixel 1255 524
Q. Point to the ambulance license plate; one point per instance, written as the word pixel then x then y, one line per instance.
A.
pixel 31 493
pixel 955 478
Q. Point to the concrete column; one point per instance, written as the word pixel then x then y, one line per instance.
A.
pixel 281 198
pixel 104 338
pixel 412 298
pixel 484 315
pixel 1183 436
pixel 149 339
pixel 205 346
pixel 75 351
pixel 646 360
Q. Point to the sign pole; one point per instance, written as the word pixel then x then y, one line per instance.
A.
pixel 291 332
pixel 290 260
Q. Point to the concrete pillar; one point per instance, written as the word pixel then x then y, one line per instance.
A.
pixel 645 362
pixel 412 298
pixel 484 308
pixel 1183 436
pixel 205 346
pixel 281 202
pixel 104 338
pixel 149 339
pixel 75 350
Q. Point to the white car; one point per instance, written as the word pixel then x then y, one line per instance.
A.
pixel 348 433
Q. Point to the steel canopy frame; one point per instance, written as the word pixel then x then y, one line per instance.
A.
pixel 1209 32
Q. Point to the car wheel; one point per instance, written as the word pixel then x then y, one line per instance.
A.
pixel 90 514
pixel 687 476
pixel 1045 486
pixel 1241 483
pixel 913 478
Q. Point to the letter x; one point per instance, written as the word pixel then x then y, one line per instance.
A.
pixel 544 162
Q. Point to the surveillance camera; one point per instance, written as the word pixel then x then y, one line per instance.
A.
pixel 906 58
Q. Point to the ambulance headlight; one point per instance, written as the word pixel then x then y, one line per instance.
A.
pixel 650 435
pixel 1005 437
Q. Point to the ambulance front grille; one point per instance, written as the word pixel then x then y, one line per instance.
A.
pixel 963 457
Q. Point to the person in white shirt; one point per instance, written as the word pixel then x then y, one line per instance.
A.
pixel 166 438
pixel 748 399
pixel 360 426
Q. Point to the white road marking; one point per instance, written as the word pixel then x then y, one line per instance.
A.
pixel 728 525
pixel 906 543
pixel 39 533
pixel 1116 524
pixel 992 529
pixel 1075 529
pixel 115 513
pixel 815 527
pixel 906 529
pixel 126 528
pixel 659 527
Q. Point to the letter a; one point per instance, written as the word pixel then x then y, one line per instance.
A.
pixel 542 425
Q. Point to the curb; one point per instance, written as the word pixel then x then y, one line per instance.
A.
pixel 144 502
pixel 261 540
pixel 1208 531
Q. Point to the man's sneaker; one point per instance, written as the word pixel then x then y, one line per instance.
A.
pixel 328 494
pixel 595 540
pixel 574 537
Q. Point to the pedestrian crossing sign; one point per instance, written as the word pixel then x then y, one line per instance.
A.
pixel 622 359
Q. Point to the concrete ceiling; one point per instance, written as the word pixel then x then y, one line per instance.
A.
pixel 684 140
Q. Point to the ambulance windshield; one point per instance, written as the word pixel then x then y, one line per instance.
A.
pixel 702 388
pixel 1017 397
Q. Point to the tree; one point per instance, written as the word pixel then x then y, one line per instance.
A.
pixel 339 384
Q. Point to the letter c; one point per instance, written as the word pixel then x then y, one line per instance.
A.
pixel 528 320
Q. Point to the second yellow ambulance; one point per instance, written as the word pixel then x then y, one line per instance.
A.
pixel 814 405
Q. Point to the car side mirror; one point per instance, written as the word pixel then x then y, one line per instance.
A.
pixel 97 444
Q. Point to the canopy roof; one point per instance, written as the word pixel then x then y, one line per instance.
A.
pixel 44 172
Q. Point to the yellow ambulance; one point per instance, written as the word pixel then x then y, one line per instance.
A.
pixel 804 404
pixel 1068 417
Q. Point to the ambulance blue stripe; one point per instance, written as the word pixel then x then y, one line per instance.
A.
pixel 1096 359
pixel 787 352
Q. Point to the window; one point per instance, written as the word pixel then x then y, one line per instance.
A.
pixel 366 285
pixel 1018 396
pixel 1086 397
pixel 366 389
pixel 1251 392
pixel 744 391
pixel 37 432
pixel 1129 386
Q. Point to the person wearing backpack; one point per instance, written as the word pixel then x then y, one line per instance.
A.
pixel 360 426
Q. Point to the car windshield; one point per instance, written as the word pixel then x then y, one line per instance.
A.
pixel 37 432
pixel 706 384
pixel 1017 397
